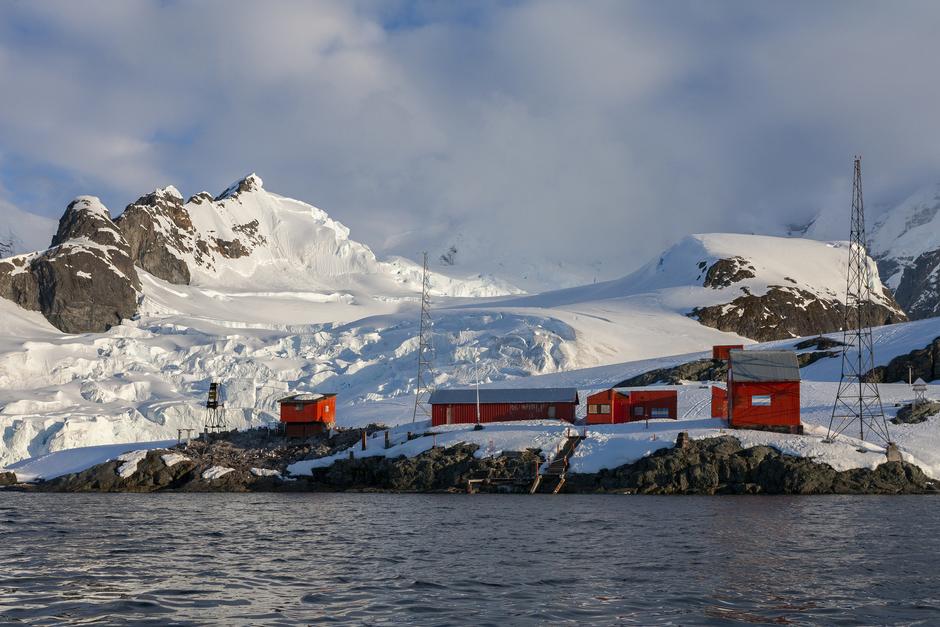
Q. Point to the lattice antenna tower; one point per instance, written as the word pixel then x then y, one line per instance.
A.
pixel 858 408
pixel 425 380
pixel 215 411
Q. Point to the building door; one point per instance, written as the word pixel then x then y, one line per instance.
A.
pixel 450 415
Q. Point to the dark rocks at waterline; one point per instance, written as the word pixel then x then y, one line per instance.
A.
pixel 912 415
pixel 722 466
pixel 7 478
pixel 438 469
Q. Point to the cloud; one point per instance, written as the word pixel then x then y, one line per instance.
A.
pixel 571 131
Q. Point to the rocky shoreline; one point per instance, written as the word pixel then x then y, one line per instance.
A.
pixel 257 462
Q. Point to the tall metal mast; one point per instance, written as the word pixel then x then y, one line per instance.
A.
pixel 424 384
pixel 858 402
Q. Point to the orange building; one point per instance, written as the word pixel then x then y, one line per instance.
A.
pixel 618 405
pixel 720 351
pixel 764 390
pixel 307 414
pixel 719 402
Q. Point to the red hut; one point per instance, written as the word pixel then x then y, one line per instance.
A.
pixel 764 390
pixel 719 402
pixel 618 405
pixel 720 351
pixel 450 407
pixel 304 415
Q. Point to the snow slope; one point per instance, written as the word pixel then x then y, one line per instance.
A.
pixel 675 279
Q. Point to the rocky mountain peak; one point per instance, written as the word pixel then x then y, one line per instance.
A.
pixel 87 217
pixel 250 183
pixel 86 281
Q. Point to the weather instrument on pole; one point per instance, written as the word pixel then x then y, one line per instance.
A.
pixel 857 409
pixel 424 384
pixel 215 411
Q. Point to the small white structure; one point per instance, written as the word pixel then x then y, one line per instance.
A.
pixel 920 392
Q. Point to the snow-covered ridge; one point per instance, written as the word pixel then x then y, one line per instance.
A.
pixel 248 237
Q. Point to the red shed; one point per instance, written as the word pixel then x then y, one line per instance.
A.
pixel 618 405
pixel 764 390
pixel 450 407
pixel 307 414
pixel 720 351
pixel 719 402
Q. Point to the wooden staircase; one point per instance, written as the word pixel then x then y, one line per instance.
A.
pixel 551 476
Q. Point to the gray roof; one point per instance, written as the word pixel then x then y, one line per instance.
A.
pixel 764 366
pixel 304 397
pixel 511 395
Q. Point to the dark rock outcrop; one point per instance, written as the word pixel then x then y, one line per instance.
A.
pixel 785 312
pixel 86 282
pixel 698 370
pixel 726 272
pixel 250 183
pixel 918 289
pixel 164 241
pixel 154 226
pixel 923 363
pixel 7 478
pixel 722 466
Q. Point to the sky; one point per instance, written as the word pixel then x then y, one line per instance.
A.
pixel 559 130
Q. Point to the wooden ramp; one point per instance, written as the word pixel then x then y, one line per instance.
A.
pixel 551 477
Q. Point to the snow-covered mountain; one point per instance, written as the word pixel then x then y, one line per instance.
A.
pixel 269 295
pixel 245 239
pixel 906 243
pixel 759 287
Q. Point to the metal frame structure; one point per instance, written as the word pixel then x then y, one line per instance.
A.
pixel 215 411
pixel 424 384
pixel 858 401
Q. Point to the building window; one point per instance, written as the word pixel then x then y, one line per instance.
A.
pixel 298 407
pixel 594 409
pixel 604 409
pixel 762 400
pixel 660 412
pixel 639 411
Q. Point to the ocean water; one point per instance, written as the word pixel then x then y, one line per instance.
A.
pixel 258 559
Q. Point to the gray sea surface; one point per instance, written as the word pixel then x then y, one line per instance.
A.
pixel 288 559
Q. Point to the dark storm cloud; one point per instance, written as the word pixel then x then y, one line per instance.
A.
pixel 577 127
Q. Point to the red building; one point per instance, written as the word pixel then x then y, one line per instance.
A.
pixel 764 390
pixel 449 407
pixel 720 351
pixel 618 405
pixel 719 402
pixel 304 415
